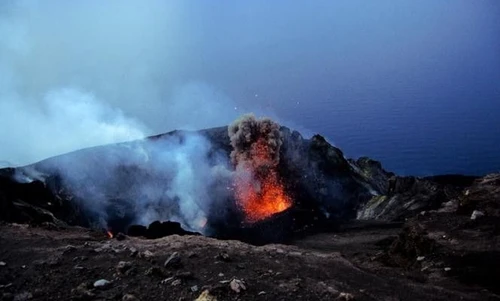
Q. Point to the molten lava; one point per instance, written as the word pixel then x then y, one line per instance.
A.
pixel 261 202
pixel 259 191
pixel 110 234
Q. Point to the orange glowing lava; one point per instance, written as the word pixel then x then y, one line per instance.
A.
pixel 258 189
pixel 261 202
pixel 110 234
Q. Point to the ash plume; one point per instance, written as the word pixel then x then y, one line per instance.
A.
pixel 256 146
pixel 255 142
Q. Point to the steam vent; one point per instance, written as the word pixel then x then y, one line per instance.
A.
pixel 270 212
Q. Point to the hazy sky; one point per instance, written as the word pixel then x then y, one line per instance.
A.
pixel 355 71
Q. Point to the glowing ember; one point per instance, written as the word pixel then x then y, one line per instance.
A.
pixel 110 234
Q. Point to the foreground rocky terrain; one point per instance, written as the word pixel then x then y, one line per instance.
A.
pixel 45 263
pixel 355 232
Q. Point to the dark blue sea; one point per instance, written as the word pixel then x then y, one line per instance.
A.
pixel 414 132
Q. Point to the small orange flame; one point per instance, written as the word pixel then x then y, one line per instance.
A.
pixel 110 234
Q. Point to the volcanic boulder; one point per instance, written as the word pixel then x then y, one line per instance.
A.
pixel 158 229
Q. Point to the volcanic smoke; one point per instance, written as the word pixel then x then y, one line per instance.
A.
pixel 256 146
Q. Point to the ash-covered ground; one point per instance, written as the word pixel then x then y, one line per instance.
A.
pixel 352 232
pixel 351 264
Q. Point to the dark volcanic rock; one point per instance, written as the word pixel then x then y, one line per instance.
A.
pixel 282 272
pixel 158 229
pixel 397 197
pixel 322 183
pixel 405 197
pixel 320 178
pixel 372 172
pixel 440 244
pixel 279 227
pixel 454 245
pixel 482 196
pixel 31 201
pixel 137 230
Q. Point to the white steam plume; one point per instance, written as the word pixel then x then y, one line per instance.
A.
pixel 75 74
pixel 172 178
pixel 68 119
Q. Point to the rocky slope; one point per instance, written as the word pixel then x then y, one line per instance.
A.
pixel 355 231
pixel 322 182
pixel 41 263
pixel 460 239
pixel 318 177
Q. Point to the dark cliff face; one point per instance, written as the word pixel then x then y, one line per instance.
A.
pixel 318 175
pixel 400 197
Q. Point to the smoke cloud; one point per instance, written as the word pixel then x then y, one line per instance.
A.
pixel 75 75
pixel 255 142
pixel 66 119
